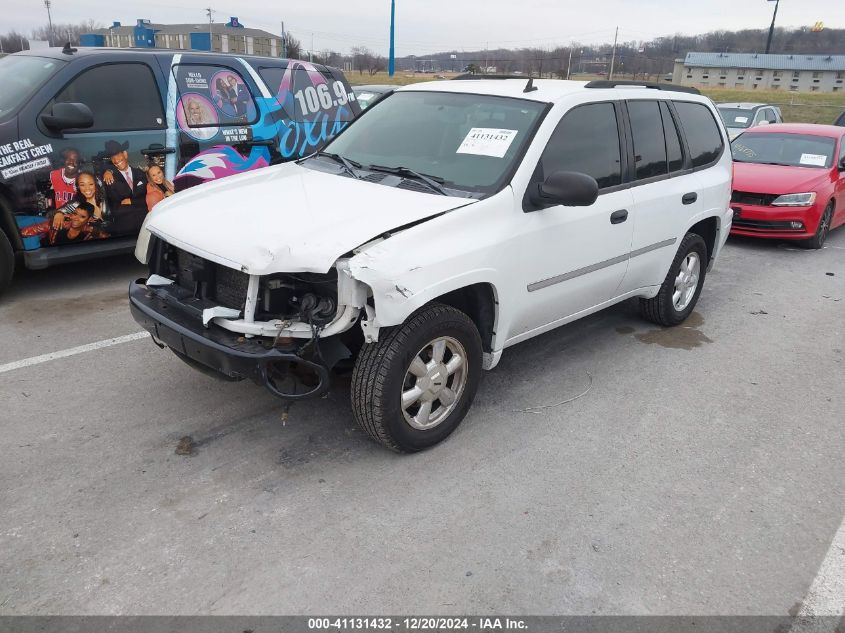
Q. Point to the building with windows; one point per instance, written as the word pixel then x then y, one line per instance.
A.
pixel 231 37
pixel 753 71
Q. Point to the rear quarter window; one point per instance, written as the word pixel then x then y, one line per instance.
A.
pixel 702 132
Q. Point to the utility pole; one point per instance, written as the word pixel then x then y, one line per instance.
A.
pixel 209 11
pixel 772 27
pixel 391 60
pixel 569 65
pixel 284 41
pixel 486 56
pixel 311 52
pixel 613 57
pixel 47 4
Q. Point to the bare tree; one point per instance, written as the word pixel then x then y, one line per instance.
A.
pixel 362 59
pixel 66 32
pixel 329 57
pixel 12 42
pixel 293 46
pixel 377 64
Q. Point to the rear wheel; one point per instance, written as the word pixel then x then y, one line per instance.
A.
pixel 680 290
pixel 412 388
pixel 7 262
pixel 818 240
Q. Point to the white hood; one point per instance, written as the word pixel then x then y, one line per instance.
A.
pixel 287 218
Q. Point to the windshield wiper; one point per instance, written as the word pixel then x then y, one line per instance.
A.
pixel 349 165
pixel 405 172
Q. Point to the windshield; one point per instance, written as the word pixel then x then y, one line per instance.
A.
pixel 736 117
pixel 465 141
pixel 20 76
pixel 797 150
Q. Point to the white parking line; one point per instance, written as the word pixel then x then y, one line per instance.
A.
pixel 73 351
pixel 826 597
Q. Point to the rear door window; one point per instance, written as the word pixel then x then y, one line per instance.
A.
pixel 211 97
pixel 674 151
pixel 586 140
pixel 701 131
pixel 122 97
pixel 649 140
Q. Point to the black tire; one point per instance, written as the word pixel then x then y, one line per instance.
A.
pixel 822 230
pixel 7 262
pixel 380 373
pixel 661 308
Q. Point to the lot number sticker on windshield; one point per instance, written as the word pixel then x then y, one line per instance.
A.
pixel 487 141
pixel 741 119
pixel 819 160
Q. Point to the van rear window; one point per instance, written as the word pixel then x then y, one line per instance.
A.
pixel 21 76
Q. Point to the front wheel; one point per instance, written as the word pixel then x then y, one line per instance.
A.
pixel 818 240
pixel 412 388
pixel 680 290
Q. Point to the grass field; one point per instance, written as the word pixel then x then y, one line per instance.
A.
pixel 797 107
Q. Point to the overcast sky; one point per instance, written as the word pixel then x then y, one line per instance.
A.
pixel 425 26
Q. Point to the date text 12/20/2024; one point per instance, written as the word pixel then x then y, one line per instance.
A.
pixel 417 623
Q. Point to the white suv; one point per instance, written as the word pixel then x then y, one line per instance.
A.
pixel 450 221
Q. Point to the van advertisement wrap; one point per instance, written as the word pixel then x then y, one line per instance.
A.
pixel 92 185
pixel 89 193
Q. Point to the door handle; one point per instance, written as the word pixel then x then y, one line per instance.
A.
pixel 158 149
pixel 618 217
pixel 689 198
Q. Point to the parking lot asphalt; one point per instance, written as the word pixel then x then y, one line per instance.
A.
pixel 701 473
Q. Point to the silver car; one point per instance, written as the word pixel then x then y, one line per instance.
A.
pixel 738 117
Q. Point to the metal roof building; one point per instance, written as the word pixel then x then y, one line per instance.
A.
pixel 751 71
pixel 229 37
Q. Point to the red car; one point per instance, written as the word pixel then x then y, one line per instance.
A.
pixel 789 182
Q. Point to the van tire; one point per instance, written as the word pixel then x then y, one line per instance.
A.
pixel 383 373
pixel 661 309
pixel 7 262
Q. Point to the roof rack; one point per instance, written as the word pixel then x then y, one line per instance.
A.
pixel 603 83
pixel 472 76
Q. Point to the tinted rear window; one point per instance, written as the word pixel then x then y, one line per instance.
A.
pixel 673 141
pixel 649 143
pixel 702 132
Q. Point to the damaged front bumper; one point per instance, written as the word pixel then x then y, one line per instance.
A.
pixel 292 372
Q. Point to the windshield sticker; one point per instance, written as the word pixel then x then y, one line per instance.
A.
pixel 818 160
pixel 741 119
pixel 487 141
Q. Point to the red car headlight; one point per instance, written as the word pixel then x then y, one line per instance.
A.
pixel 795 200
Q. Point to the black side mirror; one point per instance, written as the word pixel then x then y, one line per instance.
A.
pixel 569 188
pixel 65 116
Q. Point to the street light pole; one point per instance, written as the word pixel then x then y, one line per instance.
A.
pixel 772 27
pixel 47 4
pixel 391 60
